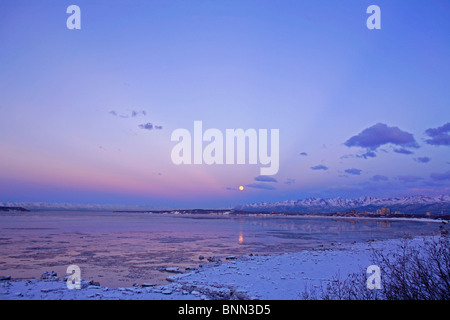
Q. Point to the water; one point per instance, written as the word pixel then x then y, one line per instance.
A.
pixel 120 249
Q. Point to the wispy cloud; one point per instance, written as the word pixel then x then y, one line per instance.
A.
pixel 379 177
pixel 146 126
pixel 149 126
pixel 403 151
pixel 137 113
pixel 409 178
pixel 440 176
pixel 258 185
pixel 319 167
pixel 368 154
pixel 289 181
pixel 353 171
pixel 132 114
pixel 422 159
pixel 303 154
pixel 266 179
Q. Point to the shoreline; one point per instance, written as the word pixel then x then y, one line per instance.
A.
pixel 237 213
pixel 286 276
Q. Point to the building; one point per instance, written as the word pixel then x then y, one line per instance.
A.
pixel 384 211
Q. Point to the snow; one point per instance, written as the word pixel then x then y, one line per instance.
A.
pixel 284 277
pixel 342 204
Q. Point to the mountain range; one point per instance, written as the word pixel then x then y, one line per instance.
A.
pixel 408 204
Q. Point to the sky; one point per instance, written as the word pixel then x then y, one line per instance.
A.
pixel 86 115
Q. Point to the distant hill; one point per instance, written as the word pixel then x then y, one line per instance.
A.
pixel 411 204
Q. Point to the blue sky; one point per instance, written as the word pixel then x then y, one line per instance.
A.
pixel 360 112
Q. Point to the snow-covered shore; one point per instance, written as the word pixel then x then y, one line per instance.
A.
pixel 286 277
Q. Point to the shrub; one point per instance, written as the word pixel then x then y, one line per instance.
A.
pixel 411 272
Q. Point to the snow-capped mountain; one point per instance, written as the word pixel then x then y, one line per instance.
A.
pixel 409 204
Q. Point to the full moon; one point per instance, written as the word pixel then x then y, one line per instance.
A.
pixel 241 188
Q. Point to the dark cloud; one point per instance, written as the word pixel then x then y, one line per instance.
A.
pixel 113 113
pixel 409 178
pixel 422 159
pixel 146 126
pixel 353 171
pixel 266 179
pixel 439 136
pixel 303 154
pixel 264 186
pixel 158 127
pixel 380 134
pixel 379 177
pixel 319 167
pixel 440 176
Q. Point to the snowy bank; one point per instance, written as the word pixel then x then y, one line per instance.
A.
pixel 286 277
